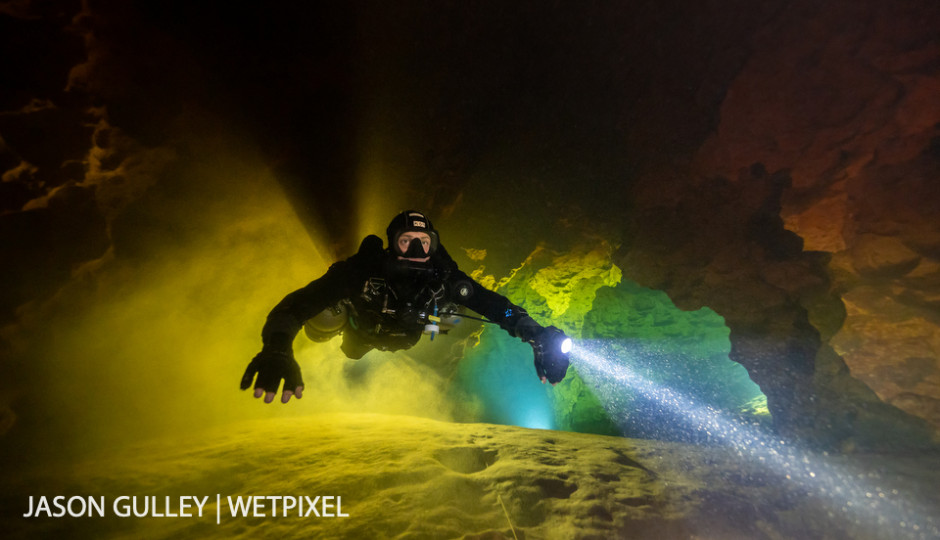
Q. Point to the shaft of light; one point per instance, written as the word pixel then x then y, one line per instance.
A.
pixel 875 508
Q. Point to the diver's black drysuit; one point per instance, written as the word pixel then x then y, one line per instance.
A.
pixel 389 300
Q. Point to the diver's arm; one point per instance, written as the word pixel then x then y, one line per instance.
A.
pixel 288 316
pixel 551 363
pixel 276 359
pixel 494 306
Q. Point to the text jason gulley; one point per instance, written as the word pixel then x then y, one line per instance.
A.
pixel 124 506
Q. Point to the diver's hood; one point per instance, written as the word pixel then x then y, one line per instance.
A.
pixel 411 221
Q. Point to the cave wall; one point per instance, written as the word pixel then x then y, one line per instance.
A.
pixel 808 219
pixel 557 284
pixel 578 289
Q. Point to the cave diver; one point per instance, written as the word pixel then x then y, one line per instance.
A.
pixel 386 299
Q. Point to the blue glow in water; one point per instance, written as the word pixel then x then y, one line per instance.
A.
pixel 865 500
pixel 501 375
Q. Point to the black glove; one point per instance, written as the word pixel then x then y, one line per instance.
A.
pixel 272 366
pixel 551 358
pixel 551 363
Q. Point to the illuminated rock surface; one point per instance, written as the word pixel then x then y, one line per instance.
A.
pixel 842 111
pixel 405 477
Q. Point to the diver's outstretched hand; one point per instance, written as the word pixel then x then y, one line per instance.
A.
pixel 550 345
pixel 551 354
pixel 271 367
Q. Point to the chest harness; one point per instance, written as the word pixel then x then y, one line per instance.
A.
pixel 389 316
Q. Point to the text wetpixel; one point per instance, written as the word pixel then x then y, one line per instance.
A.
pixel 286 505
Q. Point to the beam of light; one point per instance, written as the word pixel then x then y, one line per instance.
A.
pixel 862 498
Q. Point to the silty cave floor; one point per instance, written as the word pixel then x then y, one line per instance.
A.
pixel 407 477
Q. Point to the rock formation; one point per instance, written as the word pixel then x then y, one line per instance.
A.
pixel 818 189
